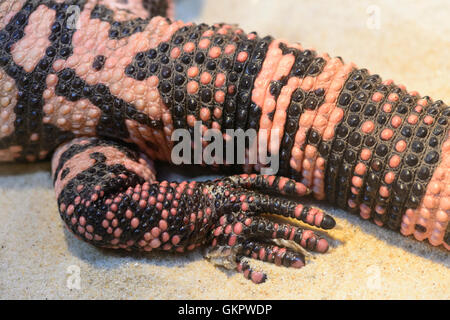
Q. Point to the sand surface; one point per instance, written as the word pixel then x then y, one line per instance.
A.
pixel 39 259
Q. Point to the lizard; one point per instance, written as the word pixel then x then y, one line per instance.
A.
pixel 100 87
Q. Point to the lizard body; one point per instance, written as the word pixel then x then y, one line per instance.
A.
pixel 102 86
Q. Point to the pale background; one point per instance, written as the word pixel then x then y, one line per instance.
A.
pixel 411 46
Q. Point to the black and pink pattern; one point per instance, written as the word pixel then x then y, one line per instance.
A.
pixel 110 203
pixel 364 144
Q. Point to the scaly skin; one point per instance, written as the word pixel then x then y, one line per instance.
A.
pixel 103 91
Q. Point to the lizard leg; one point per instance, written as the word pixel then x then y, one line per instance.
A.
pixel 108 196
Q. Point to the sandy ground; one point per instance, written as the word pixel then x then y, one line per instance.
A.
pixel 39 259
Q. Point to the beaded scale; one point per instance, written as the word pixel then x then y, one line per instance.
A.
pixel 102 85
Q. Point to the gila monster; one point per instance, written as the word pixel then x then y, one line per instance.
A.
pixel 102 86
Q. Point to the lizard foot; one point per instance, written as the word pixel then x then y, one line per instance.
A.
pixel 243 232
pixel 108 195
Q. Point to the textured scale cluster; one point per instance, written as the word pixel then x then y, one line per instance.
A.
pixel 112 200
pixel 388 142
pixel 102 85
pixel 204 74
